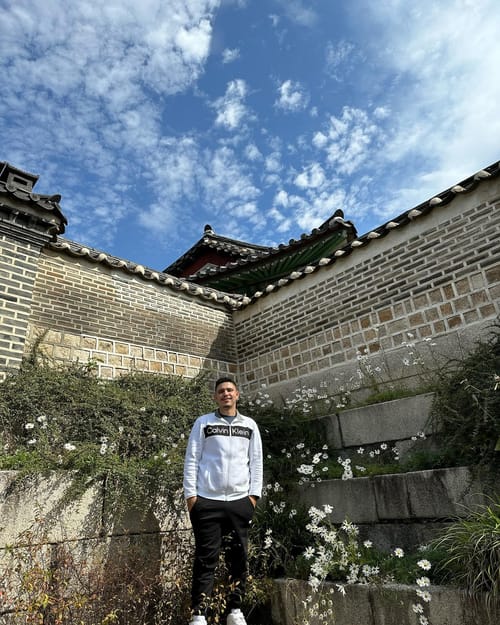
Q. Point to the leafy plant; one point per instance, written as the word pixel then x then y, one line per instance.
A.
pixel 130 432
pixel 472 548
pixel 466 411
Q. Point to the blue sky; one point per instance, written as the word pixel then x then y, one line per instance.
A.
pixel 260 117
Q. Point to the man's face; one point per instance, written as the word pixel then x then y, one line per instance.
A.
pixel 226 395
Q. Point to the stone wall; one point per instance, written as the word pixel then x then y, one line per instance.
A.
pixel 92 545
pixel 437 278
pixel 83 310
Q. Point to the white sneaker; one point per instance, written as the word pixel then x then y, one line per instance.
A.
pixel 198 620
pixel 236 618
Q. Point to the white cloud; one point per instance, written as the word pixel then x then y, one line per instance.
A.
pixel 281 198
pixel 230 55
pixel 231 109
pixel 338 56
pixel 273 162
pixel 348 140
pixel 297 11
pixel 194 42
pixel 311 177
pixel 225 181
pixel 292 97
pixel 80 78
pixel 436 62
pixel 252 152
pixel 274 19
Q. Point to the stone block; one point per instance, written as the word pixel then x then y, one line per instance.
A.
pixel 391 496
pixel 408 536
pixel 443 493
pixel 387 421
pixel 330 429
pixel 38 504
pixel 351 499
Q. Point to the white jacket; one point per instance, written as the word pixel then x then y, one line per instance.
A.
pixel 223 461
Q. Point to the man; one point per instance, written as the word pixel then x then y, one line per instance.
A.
pixel 222 483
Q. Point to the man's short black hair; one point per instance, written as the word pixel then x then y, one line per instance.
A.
pixel 222 380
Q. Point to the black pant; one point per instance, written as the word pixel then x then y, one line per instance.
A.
pixel 212 520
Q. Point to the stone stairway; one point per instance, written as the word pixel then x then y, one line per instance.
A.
pixel 395 510
pixel 400 509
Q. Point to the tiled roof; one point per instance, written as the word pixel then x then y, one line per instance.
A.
pixel 237 301
pixel 219 243
pixel 261 255
pixel 17 185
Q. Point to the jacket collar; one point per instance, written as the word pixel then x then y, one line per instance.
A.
pixel 221 416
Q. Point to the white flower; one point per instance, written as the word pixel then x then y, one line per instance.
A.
pixel 398 552
pixel 309 553
pixel 69 447
pixel 423 620
pixel 423 581
pixel 29 426
pixel 328 509
pixel 32 441
pixel 41 419
pixel 383 446
pixel 367 544
pixel 424 564
pixel 417 608
pixel 341 588
pixel 425 595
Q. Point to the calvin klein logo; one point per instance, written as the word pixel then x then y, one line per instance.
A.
pixel 226 430
pixel 238 430
pixel 217 430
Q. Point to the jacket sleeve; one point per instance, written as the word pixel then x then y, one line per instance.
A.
pixel 192 460
pixel 256 463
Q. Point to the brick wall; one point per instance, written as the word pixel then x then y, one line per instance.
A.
pixel 18 265
pixel 437 278
pixel 88 311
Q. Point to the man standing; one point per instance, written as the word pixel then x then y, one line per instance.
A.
pixel 222 483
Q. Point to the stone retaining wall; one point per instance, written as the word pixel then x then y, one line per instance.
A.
pixel 38 528
pixel 378 605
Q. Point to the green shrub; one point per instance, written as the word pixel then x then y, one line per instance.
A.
pixel 472 548
pixel 466 410
pixel 131 431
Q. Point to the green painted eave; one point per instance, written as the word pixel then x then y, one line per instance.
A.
pixel 255 276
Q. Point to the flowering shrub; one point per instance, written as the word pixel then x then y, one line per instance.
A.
pixel 467 407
